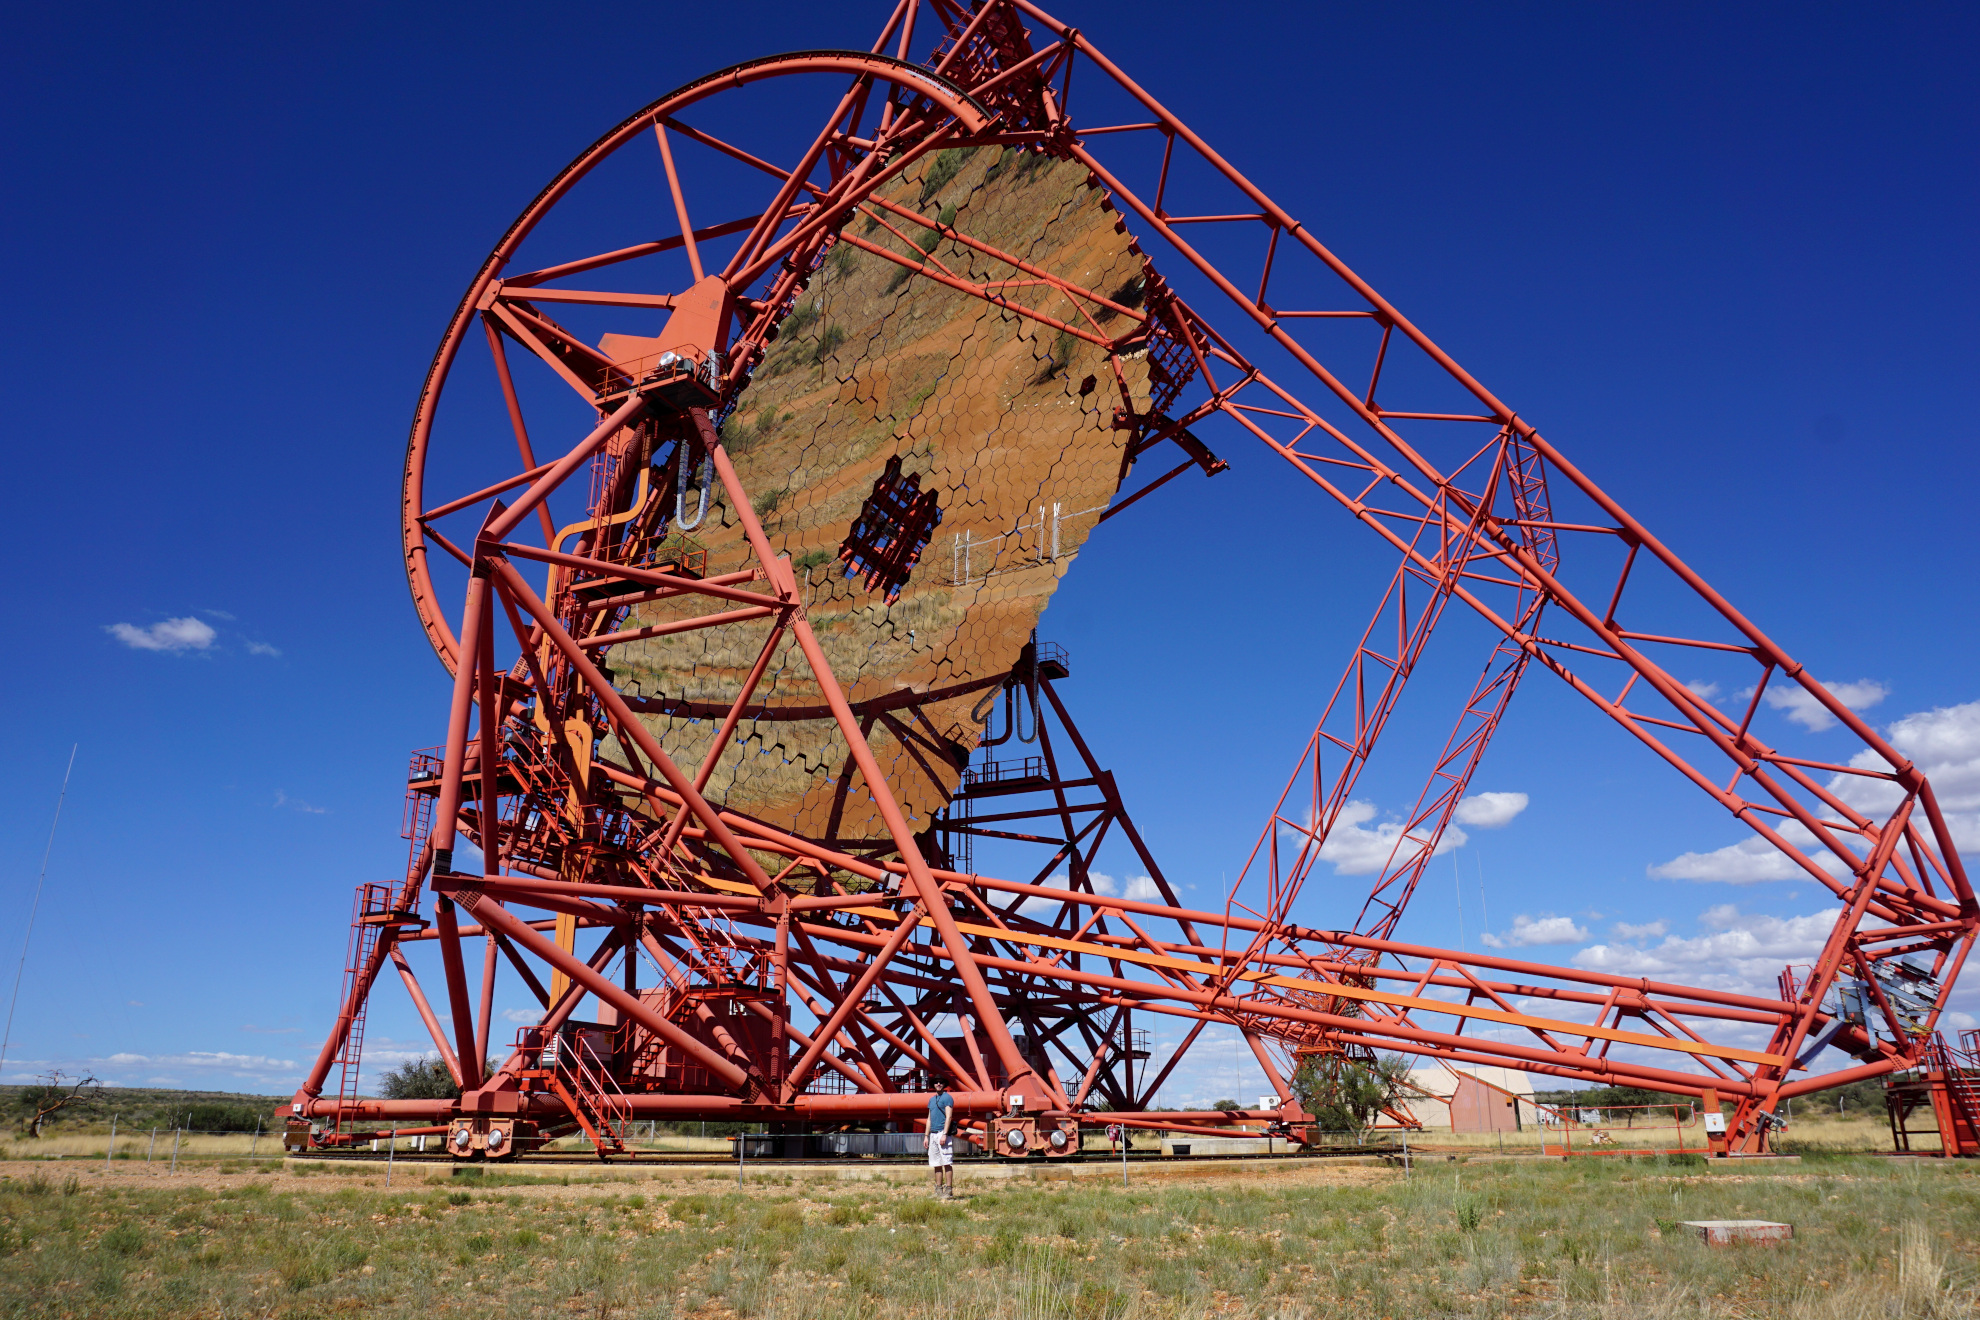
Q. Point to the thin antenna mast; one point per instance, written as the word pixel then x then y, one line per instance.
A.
pixel 8 1038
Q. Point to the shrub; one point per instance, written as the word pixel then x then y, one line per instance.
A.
pixel 302 1270
pixel 224 1118
pixel 801 319
pixel 780 1218
pixel 828 343
pixel 125 1239
pixel 1003 1246
pixel 925 1211
pixel 946 165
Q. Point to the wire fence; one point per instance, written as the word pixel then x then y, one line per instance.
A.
pixel 150 1144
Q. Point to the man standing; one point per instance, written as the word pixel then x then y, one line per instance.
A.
pixel 941 1140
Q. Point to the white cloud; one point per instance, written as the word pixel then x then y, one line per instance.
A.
pixel 527 1017
pixel 1528 931
pixel 207 1061
pixel 297 804
pixel 1802 707
pixel 1944 743
pixel 1739 951
pixel 1355 848
pixel 1140 888
pixel 1489 811
pixel 1044 909
pixel 1702 690
pixel 219 614
pixel 1748 862
pixel 187 634
pixel 1649 930
pixel 1958 1021
pixel 261 648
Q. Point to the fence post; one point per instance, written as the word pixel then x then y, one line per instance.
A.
pixel 175 1149
pixel 255 1148
pixel 110 1154
pixel 391 1149
pixel 152 1147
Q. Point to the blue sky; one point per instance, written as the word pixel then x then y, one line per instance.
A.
pixel 1722 258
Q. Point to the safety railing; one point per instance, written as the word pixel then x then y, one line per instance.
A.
pixel 1005 772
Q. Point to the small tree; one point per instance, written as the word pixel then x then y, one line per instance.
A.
pixel 1345 1094
pixel 421 1079
pixel 55 1092
pixel 1224 1106
pixel 426 1079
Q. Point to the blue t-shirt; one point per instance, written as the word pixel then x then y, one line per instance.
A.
pixel 938 1112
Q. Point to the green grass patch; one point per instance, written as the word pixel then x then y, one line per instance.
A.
pixel 1593 1238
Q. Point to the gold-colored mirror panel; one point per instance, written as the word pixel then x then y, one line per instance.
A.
pixel 986 408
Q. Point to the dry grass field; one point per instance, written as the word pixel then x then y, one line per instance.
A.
pixel 1467 1236
pixel 1810 1133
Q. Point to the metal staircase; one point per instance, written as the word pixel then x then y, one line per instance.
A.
pixel 1954 1071
pixel 569 1069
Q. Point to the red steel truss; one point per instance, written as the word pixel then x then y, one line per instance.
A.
pixel 804 982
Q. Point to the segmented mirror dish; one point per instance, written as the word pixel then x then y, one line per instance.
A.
pixel 883 376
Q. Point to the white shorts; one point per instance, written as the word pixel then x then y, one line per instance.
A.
pixel 941 1151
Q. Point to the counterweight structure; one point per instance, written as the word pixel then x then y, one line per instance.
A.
pixel 720 752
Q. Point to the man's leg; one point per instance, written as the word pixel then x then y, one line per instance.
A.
pixel 948 1180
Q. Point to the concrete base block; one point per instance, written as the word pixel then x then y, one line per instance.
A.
pixel 1727 1232
pixel 1222 1146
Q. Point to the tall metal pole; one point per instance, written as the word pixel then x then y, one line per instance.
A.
pixel 7 1038
pixel 111 1154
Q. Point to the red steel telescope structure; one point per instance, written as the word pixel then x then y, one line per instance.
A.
pixel 743 472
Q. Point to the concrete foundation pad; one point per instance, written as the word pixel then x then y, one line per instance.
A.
pixel 1190 1146
pixel 1729 1232
pixel 851 1170
pixel 1735 1163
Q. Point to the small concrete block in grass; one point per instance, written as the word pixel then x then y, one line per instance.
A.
pixel 1726 1232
